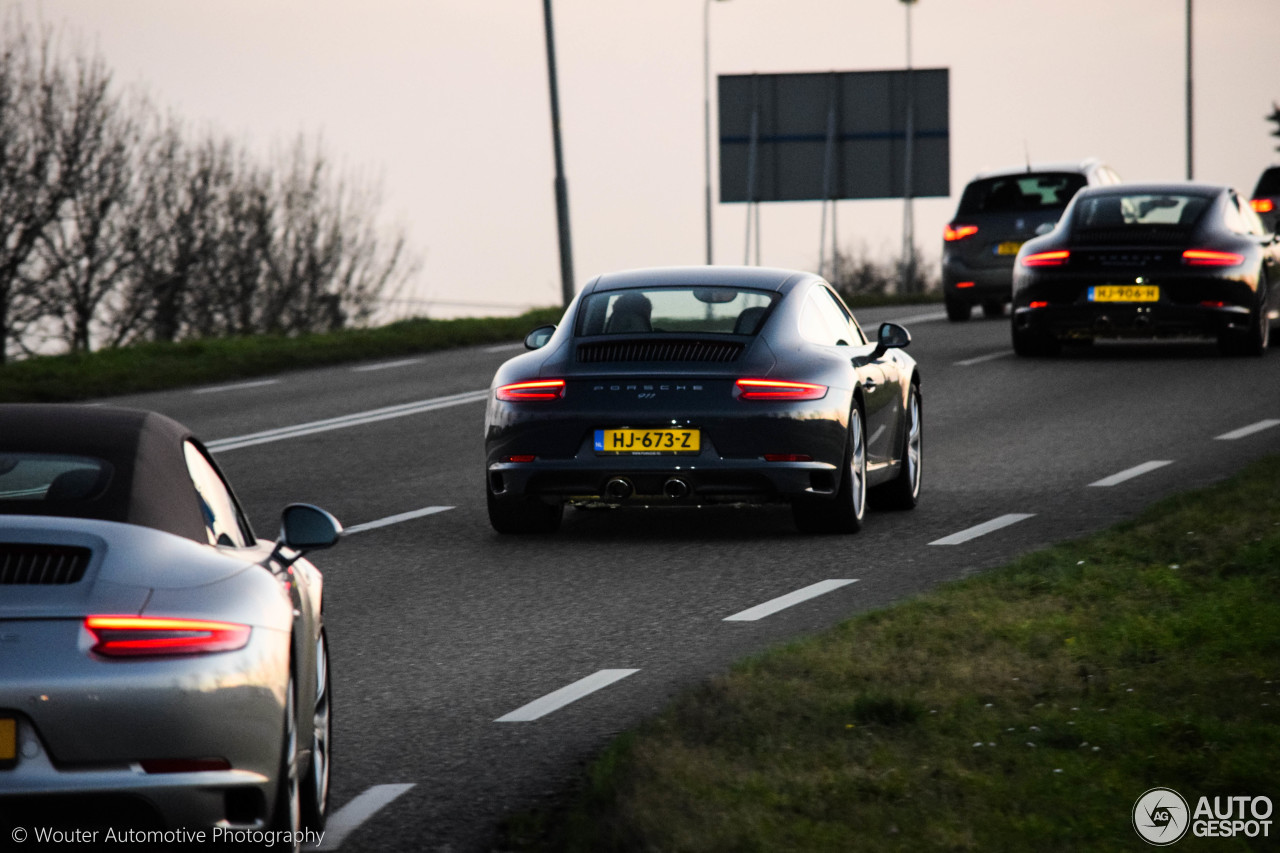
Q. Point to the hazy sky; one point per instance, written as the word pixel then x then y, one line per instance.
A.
pixel 446 103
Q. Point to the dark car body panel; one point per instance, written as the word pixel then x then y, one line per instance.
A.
pixel 651 394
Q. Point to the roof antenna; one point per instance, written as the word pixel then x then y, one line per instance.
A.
pixel 1027 153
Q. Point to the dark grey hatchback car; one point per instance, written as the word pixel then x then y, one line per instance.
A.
pixel 998 212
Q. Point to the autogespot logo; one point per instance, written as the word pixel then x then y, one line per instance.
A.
pixel 1160 816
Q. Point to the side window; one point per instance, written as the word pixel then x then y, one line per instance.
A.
pixel 222 518
pixel 824 322
pixel 1234 220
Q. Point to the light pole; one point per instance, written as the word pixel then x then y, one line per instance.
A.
pixel 908 219
pixel 1190 161
pixel 706 112
pixel 562 188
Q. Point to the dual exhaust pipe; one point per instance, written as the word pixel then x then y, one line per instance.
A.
pixel 620 488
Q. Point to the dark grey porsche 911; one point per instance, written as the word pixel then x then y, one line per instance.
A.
pixel 702 385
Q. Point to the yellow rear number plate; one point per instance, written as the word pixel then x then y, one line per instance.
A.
pixel 648 441
pixel 1008 248
pixel 8 740
pixel 1124 293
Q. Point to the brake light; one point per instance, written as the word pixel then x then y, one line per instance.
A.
pixel 955 232
pixel 134 636
pixel 522 457
pixel 1213 303
pixel 1262 205
pixel 965 285
pixel 1056 258
pixel 1038 304
pixel 787 457
pixel 778 389
pixel 539 389
pixel 1211 258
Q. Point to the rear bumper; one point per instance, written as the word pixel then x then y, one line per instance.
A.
pixel 1131 320
pixel 988 283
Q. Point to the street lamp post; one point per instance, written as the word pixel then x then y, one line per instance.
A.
pixel 1190 160
pixel 908 219
pixel 561 186
pixel 706 113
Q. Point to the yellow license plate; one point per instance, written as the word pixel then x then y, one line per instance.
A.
pixel 1124 293
pixel 648 441
pixel 8 740
pixel 1009 248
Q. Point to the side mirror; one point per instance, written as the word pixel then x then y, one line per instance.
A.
pixel 304 527
pixel 890 336
pixel 537 339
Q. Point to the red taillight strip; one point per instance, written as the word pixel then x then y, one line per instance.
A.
pixel 538 389
pixel 1212 258
pixel 1047 259
pixel 778 389
pixel 1262 205
pixel 133 636
pixel 955 232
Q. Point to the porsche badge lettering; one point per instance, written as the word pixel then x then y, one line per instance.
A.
pixel 645 391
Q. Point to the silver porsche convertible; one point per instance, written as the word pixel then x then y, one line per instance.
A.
pixel 160 666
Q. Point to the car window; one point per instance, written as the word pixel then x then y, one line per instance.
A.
pixel 223 520
pixel 823 321
pixel 1013 193
pixel 50 477
pixel 1121 210
pixel 1232 217
pixel 1268 183
pixel 681 310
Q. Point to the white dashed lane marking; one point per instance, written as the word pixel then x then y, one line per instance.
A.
pixel 387 365
pixel 565 695
pixel 396 519
pixel 348 818
pixel 782 602
pixel 239 386
pixel 988 357
pixel 982 529
pixel 1249 430
pixel 1130 473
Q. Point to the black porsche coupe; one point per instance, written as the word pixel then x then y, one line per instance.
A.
pixel 702 385
pixel 1149 261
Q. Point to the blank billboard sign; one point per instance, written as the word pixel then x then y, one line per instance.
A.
pixel 833 135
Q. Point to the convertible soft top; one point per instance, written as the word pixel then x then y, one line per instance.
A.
pixel 145 480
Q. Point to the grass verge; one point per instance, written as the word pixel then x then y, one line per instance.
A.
pixel 1023 709
pixel 156 367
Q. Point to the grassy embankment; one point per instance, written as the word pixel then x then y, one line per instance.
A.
pixel 155 367
pixel 1023 709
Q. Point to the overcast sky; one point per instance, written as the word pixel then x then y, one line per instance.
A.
pixel 446 103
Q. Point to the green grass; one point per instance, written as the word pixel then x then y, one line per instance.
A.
pixel 1023 709
pixel 155 367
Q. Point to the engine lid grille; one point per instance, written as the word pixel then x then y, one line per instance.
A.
pixel 664 350
pixel 26 564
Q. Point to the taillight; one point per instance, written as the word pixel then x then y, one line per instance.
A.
pixel 1038 303
pixel 787 457
pixel 520 457
pixel 778 389
pixel 1056 258
pixel 1262 205
pixel 134 636
pixel 539 389
pixel 965 285
pixel 1211 258
pixel 954 232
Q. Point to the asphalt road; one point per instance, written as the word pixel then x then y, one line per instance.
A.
pixel 439 627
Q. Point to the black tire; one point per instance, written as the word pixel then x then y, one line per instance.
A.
pixel 315 788
pixel 958 310
pixel 523 515
pixel 1030 344
pixel 993 308
pixel 1256 339
pixel 286 814
pixel 845 512
pixel 903 492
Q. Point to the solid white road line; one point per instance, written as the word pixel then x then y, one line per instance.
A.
pixel 921 318
pixel 988 357
pixel 1130 473
pixel 565 695
pixel 387 365
pixel 239 386
pixel 1249 430
pixel 348 818
pixel 782 602
pixel 356 419
pixel 395 519
pixel 505 347
pixel 983 529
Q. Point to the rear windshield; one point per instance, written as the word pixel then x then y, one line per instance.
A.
pixel 680 310
pixel 1120 210
pixel 1269 183
pixel 1013 193
pixel 52 478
